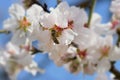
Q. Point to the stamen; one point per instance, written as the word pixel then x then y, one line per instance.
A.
pixel 114 23
pixel 82 53
pixel 105 50
pixel 24 23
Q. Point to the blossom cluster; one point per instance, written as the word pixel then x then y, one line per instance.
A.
pixel 62 34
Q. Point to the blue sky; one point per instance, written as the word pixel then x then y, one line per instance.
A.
pixel 52 71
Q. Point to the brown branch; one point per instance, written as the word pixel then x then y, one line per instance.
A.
pixel 29 3
pixel 58 1
pixel 4 31
pixel 84 4
pixel 35 50
pixel 118 32
pixel 115 71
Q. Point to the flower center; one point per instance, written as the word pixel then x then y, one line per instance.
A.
pixel 56 31
pixel 105 50
pixel 82 54
pixel 24 23
pixel 114 23
pixel 70 24
pixel 59 30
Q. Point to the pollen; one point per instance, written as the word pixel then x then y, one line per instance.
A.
pixel 24 23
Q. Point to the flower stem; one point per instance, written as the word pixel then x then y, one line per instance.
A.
pixel 58 1
pixel 91 12
pixel 4 31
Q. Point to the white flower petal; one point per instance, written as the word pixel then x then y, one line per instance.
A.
pixel 63 6
pixel 103 65
pixel 85 36
pixel 67 36
pixel 19 37
pixel 33 68
pixel 34 13
pixel 10 24
pixel 48 20
pixel 115 54
pixel 96 19
pixel 17 11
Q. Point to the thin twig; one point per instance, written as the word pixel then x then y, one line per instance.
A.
pixel 4 31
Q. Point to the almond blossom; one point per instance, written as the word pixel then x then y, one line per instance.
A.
pixel 63 22
pixel 23 23
pixel 77 61
pixel 103 28
pixel 17 58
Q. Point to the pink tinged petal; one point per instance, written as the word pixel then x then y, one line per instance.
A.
pixel 17 11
